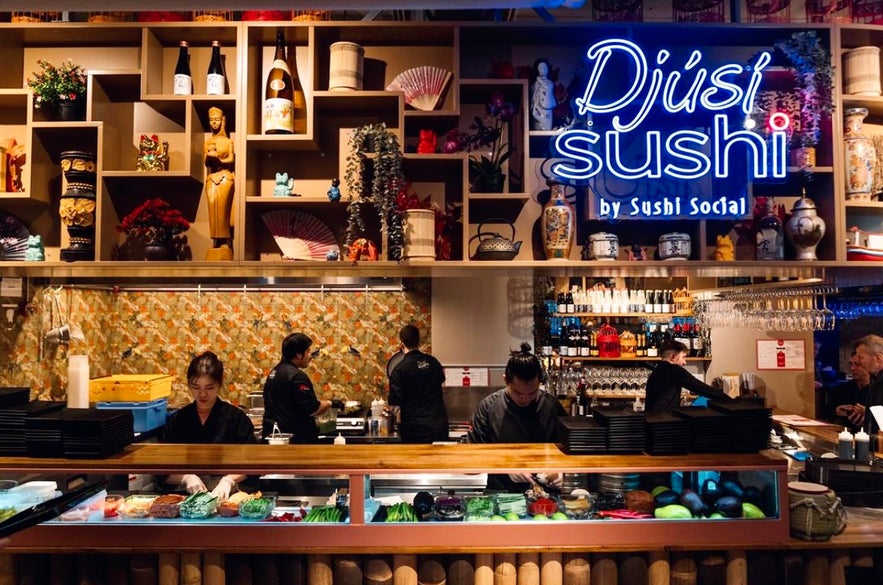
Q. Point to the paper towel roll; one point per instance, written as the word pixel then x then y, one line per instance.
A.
pixel 78 381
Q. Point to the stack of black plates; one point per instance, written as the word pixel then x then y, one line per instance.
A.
pixel 752 424
pixel 43 434
pixel 89 432
pixel 667 434
pixel 712 430
pixel 625 428
pixel 14 396
pixel 581 434
pixel 12 424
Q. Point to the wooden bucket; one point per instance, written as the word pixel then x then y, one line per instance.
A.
pixel 861 71
pixel 346 64
pixel 419 232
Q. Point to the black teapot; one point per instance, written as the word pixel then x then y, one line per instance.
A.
pixel 493 246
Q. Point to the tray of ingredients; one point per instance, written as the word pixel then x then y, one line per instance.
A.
pixel 136 506
pixel 257 508
pixel 198 506
pixel 231 506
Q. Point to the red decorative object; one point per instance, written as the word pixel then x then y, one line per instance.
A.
pixel 768 10
pixel 154 221
pixel 362 249
pixel 867 11
pixel 266 15
pixel 608 342
pixel 829 11
pixel 428 142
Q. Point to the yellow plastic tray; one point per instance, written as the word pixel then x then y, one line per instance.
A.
pixel 130 388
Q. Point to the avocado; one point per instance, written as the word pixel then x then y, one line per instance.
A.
pixel 729 506
pixel 732 487
pixel 673 512
pixel 659 489
pixel 665 498
pixel 693 502
pixel 711 491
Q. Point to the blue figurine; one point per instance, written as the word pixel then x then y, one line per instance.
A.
pixel 284 185
pixel 334 191
pixel 332 255
pixel 34 252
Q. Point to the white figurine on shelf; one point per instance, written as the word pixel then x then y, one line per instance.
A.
pixel 542 97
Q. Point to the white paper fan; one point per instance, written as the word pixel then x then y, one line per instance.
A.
pixel 300 235
pixel 13 237
pixel 422 86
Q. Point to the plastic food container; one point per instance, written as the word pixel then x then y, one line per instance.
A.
pixel 542 505
pixel 130 388
pixel 576 507
pixel 91 510
pixel 198 506
pixel 136 506
pixel 449 507
pixel 479 508
pixel 257 508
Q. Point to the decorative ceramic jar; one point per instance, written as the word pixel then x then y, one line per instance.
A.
pixel 861 157
pixel 674 246
pixel 419 232
pixel 558 223
pixel 770 243
pixel 77 205
pixel 805 229
pixel 603 246
pixel 815 510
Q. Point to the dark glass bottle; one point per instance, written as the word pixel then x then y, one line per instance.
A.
pixel 215 81
pixel 183 82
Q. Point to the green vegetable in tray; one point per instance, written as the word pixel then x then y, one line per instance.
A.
pixel 401 512
pixel 198 506
pixel 322 514
pixel 6 513
pixel 256 508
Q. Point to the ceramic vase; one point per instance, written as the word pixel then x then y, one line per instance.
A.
pixel 770 243
pixel 861 157
pixel 158 251
pixel 558 223
pixel 77 204
pixel 805 229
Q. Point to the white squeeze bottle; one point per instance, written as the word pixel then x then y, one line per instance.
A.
pixel 339 439
pixel 862 445
pixel 845 448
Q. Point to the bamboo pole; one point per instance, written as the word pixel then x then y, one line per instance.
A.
pixel 191 569
pixel 116 569
pixel 239 570
pixel 658 569
pixel 404 570
pixel 143 569
pixel 633 568
pixel 461 570
pixel 604 569
pixel 292 569
pixel 817 568
pixel 430 571
pixel 551 569
pixel 838 562
pixel 505 572
pixel 528 570
pixel 169 568
pixel 484 569
pixel 712 569
pixel 683 571
pixel 737 568
pixel 214 570
pixel 378 571
pixel 577 569
pixel 347 570
pixel 319 570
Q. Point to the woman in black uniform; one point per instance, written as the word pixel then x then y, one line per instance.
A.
pixel 208 419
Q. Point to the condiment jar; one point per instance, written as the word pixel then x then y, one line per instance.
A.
pixel 845 447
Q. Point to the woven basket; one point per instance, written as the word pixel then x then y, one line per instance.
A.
pixel 816 511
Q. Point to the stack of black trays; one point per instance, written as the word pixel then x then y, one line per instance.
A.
pixel 581 435
pixel 752 424
pixel 625 428
pixel 14 396
pixel 43 434
pixel 13 424
pixel 89 432
pixel 667 434
pixel 711 430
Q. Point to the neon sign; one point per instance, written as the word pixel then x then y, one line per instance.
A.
pixel 638 143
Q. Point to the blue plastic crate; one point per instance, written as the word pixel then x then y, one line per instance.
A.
pixel 148 415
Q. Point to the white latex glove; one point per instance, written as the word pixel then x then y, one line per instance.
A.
pixel 193 483
pixel 223 489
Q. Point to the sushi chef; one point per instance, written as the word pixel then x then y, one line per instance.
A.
pixel 665 382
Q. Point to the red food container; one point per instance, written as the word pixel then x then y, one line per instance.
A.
pixel 163 16
pixel 266 15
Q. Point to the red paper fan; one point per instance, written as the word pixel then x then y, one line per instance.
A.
pixel 299 235
pixel 422 86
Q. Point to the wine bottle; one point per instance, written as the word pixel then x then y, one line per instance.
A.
pixel 278 96
pixel 650 336
pixel 657 301
pixel 214 80
pixel 183 83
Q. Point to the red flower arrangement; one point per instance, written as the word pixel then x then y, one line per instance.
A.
pixel 154 221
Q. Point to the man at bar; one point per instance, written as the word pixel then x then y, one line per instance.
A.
pixel 869 351
pixel 518 413
pixel 415 386
pixel 850 397
pixel 663 390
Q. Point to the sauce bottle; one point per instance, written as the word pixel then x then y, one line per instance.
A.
pixel 845 448
pixel 862 446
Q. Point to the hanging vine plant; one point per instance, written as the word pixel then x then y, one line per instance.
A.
pixel 374 176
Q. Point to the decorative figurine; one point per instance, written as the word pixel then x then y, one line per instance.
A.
pixel 34 251
pixel 153 155
pixel 332 255
pixel 362 249
pixel 542 97
pixel 428 142
pixel 637 253
pixel 219 160
pixel 284 185
pixel 334 190
pixel 725 250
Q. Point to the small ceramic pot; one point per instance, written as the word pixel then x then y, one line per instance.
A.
pixel 603 246
pixel 674 246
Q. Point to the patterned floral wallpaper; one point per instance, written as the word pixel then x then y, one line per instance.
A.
pixel 137 332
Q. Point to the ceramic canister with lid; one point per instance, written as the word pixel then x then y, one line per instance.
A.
pixel 805 229
pixel 674 246
pixel 816 511
pixel 604 246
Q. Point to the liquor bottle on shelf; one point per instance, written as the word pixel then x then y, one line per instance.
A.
pixel 564 339
pixel 648 301
pixel 666 302
pixel 278 94
pixel 569 302
pixel 183 81
pixel 594 349
pixel 651 340
pixel 562 303
pixel 574 340
pixel 584 349
pixel 657 301
pixel 215 81
pixel 554 335
pixel 680 334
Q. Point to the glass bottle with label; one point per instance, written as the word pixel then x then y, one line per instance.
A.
pixel 278 96
pixel 183 81
pixel 770 235
pixel 214 80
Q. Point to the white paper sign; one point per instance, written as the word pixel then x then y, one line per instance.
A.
pixel 781 354
pixel 11 287
pixel 466 376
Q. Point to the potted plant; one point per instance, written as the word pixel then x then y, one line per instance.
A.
pixel 376 183
pixel 60 89
pixel 811 61
pixel 155 223
pixel 486 141
pixel 429 231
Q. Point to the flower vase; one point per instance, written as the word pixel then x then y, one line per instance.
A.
pixel 77 204
pixel 419 232
pixel 558 224
pixel 805 229
pixel 157 251
pixel 861 157
pixel 490 183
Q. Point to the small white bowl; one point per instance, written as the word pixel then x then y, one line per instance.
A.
pixel 279 439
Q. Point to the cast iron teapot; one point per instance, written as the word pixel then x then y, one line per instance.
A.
pixel 493 246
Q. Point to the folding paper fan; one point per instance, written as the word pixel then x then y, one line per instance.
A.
pixel 13 237
pixel 423 86
pixel 300 235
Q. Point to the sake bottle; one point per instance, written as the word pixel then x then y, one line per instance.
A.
pixel 183 83
pixel 214 81
pixel 278 95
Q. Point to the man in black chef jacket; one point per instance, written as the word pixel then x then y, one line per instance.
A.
pixel 518 413
pixel 289 398
pixel 869 351
pixel 415 386
pixel 663 391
